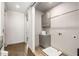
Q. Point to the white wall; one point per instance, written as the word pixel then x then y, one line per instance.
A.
pixel 68 25
pixel 38 26
pixel 1 18
pixel 2 6
pixel 14 27
pixel 62 8
pixel 31 28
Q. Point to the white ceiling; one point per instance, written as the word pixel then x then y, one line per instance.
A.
pixel 12 6
pixel 44 6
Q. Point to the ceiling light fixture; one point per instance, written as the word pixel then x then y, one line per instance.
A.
pixel 17 6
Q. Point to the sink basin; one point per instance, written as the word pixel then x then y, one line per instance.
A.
pixel 43 33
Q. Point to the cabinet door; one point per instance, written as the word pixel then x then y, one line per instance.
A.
pixel 45 41
pixel 45 21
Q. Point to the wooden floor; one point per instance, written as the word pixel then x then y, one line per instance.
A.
pixel 16 49
pixel 39 52
pixel 20 50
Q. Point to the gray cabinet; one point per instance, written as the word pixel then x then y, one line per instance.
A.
pixel 45 40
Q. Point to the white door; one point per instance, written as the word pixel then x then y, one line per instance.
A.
pixel 31 29
pixel 14 27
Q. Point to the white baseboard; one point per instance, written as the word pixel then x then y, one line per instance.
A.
pixel 14 43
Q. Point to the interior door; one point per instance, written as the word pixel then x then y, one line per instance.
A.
pixel 31 29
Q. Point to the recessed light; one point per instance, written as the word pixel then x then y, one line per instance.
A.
pixel 17 6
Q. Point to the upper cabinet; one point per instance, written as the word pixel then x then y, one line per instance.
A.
pixel 45 7
pixel 45 21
